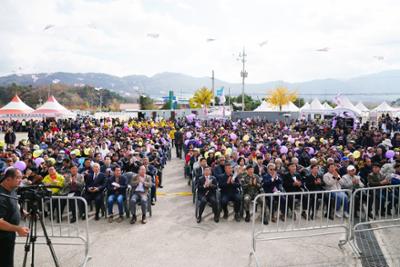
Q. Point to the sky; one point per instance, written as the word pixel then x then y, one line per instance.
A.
pixel 281 38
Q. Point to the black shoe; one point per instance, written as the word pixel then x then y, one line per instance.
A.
pixel 96 217
pixel 83 217
pixel 72 220
pixel 304 215
pixel 265 221
pixel 237 217
pixel 133 219
pixel 160 186
pixel 216 218
pixel 225 215
pixel 198 219
pixel 144 221
pixel 370 215
pixel 247 218
pixel 153 203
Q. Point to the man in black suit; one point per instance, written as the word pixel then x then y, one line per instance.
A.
pixel 198 172
pixel 207 187
pixel 259 168
pixel 178 143
pixel 292 182
pixel 95 182
pixel 230 192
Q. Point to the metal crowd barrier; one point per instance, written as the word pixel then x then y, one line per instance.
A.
pixel 296 214
pixel 374 208
pixel 59 226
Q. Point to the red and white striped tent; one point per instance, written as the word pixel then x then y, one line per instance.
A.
pixel 15 108
pixel 52 109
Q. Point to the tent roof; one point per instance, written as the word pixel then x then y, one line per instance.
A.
pixel 316 105
pixel 344 103
pixel 305 106
pixel 15 106
pixel 384 107
pixel 327 106
pixel 265 106
pixel 52 108
pixel 362 107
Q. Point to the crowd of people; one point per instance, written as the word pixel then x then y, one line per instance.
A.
pixel 108 159
pixel 234 161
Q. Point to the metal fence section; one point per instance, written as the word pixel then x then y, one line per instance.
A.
pixel 374 208
pixel 58 214
pixel 300 214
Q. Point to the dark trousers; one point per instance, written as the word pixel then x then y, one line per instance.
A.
pixel 234 197
pixel 178 150
pixel 98 200
pixel 208 198
pixel 7 252
pixel 72 205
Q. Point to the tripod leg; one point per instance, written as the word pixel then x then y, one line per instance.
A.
pixel 28 240
pixel 48 241
pixel 34 237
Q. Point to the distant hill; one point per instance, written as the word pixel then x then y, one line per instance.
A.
pixel 85 97
pixel 374 87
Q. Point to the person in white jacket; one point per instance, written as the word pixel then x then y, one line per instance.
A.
pixel 332 182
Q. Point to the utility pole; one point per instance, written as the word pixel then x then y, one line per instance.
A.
pixel 243 73
pixel 212 86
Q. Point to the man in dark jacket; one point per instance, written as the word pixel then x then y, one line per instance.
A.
pixel 116 191
pixel 206 193
pixel 95 182
pixel 292 182
pixel 10 138
pixel 230 191
pixel 178 143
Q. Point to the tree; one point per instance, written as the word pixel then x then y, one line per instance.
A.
pixel 201 98
pixel 299 102
pixel 146 102
pixel 281 96
pixel 249 102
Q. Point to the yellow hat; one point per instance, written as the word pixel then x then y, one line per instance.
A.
pixel 246 138
pixel 2 143
pixel 356 154
pixel 52 161
pixel 86 151
pixel 37 153
pixel 312 139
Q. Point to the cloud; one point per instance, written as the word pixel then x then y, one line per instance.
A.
pixel 111 36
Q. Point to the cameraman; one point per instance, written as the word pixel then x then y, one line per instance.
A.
pixel 9 216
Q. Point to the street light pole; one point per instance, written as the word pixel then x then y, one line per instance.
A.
pixel 243 73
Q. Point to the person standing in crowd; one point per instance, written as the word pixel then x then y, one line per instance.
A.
pixel 10 138
pixel 178 143
pixel 9 216
pixel 207 186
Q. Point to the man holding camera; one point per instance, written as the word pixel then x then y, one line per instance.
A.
pixel 9 216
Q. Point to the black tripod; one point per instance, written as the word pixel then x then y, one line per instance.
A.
pixel 34 216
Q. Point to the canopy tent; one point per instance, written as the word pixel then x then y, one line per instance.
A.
pixel 314 107
pixel 345 106
pixel 384 107
pixel 265 106
pixel 327 106
pixel 15 107
pixel 53 109
pixel 362 107
pixel 305 106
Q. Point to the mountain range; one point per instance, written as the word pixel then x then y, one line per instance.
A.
pixel 371 88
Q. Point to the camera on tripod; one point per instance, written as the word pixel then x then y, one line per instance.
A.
pixel 33 193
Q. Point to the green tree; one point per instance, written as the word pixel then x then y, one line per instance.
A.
pixel 299 102
pixel 146 102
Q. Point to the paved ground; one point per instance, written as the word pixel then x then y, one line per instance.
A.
pixel 173 238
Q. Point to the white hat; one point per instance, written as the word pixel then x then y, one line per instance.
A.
pixel 350 168
pixel 387 143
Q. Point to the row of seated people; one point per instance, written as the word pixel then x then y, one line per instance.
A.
pixel 94 186
pixel 242 185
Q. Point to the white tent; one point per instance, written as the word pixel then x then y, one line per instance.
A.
pixel 305 106
pixel 327 106
pixel 384 107
pixel 53 109
pixel 15 107
pixel 362 107
pixel 344 105
pixel 265 106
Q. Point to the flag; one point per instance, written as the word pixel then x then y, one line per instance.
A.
pixel 221 95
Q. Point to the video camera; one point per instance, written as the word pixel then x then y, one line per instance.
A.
pixel 34 193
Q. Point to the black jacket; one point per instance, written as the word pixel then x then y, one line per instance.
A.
pixel 209 190
pixel 99 182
